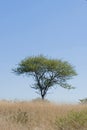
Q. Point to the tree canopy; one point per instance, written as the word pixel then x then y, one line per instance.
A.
pixel 46 72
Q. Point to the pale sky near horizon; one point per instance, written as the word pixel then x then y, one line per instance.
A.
pixel 54 28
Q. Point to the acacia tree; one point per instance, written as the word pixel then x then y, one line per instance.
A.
pixel 46 72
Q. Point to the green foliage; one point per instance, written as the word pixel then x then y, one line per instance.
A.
pixel 83 101
pixel 73 121
pixel 46 72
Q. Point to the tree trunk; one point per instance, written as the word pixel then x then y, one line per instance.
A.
pixel 42 97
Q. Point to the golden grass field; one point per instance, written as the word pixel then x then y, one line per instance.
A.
pixel 42 116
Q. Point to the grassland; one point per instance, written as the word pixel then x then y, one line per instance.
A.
pixel 42 116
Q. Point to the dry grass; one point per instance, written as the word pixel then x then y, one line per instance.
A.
pixel 41 116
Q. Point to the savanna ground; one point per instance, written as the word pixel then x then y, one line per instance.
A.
pixel 42 116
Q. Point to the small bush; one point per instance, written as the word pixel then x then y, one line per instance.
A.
pixel 73 121
pixel 20 117
pixel 83 101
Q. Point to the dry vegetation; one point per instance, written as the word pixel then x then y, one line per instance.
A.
pixel 42 116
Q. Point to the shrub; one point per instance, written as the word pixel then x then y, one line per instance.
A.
pixel 73 121
pixel 83 101
pixel 20 117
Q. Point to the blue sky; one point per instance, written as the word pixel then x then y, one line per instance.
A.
pixel 57 29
